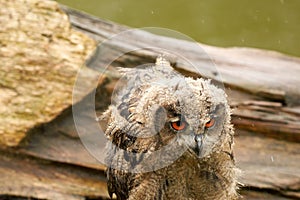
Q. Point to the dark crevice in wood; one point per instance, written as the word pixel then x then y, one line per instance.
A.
pixel 267 191
pixel 8 197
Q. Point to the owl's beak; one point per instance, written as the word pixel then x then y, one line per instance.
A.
pixel 198 144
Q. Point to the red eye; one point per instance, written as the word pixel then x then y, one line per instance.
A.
pixel 178 125
pixel 210 123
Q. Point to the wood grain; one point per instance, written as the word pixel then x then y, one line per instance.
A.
pixel 40 55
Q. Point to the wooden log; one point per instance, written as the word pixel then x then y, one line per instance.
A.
pixel 271 119
pixel 40 55
pixel 266 75
pixel 256 75
pixel 259 195
pixel 35 178
pixel 268 164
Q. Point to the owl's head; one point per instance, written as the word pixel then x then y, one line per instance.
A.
pixel 159 106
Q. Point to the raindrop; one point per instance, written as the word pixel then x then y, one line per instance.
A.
pixel 98 119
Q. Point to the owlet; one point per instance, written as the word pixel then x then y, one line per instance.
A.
pixel 169 137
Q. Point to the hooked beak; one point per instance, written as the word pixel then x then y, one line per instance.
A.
pixel 198 144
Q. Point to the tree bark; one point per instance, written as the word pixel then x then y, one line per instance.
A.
pixel 40 55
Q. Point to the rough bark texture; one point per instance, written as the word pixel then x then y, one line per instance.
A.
pixel 40 55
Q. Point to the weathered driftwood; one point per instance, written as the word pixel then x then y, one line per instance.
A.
pixel 268 94
pixel 51 162
pixel 29 177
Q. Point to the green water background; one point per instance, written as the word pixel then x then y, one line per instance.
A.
pixel 265 24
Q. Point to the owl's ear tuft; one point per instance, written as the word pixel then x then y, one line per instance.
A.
pixel 162 61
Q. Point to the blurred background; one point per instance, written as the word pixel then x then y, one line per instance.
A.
pixel 265 24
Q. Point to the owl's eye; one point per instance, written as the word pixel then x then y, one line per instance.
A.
pixel 179 125
pixel 210 123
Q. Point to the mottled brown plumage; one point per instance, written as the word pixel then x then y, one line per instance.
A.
pixel 170 137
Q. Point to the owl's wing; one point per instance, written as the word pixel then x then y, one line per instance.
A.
pixel 119 180
pixel 147 186
pixel 118 183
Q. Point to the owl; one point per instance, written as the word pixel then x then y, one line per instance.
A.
pixel 169 137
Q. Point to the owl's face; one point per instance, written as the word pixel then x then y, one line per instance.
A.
pixel 192 113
